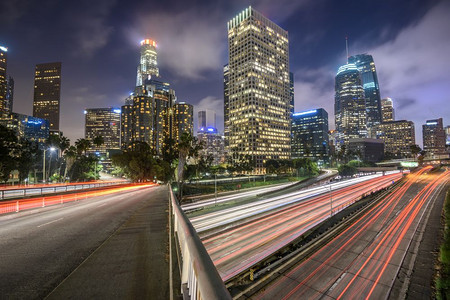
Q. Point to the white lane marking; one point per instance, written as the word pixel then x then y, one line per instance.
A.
pixel 102 205
pixel 50 222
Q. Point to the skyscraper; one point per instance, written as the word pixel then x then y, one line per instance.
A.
pixel 349 106
pixel 183 120
pixel 9 101
pixel 104 122
pixel 206 118
pixel 148 65
pixel 226 103
pixel 398 137
pixel 366 66
pixel 433 137
pixel 3 80
pixel 259 94
pixel 47 90
pixel 387 110
pixel 309 136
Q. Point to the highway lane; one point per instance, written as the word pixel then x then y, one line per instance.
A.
pixel 237 248
pixel 363 261
pixel 41 247
pixel 253 192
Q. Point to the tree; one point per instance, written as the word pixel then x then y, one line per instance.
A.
pixel 347 170
pixel 82 145
pixel 85 168
pixel 187 147
pixel 98 141
pixel 415 150
pixel 27 157
pixel 70 155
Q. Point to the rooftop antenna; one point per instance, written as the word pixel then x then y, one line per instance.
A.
pixel 346 46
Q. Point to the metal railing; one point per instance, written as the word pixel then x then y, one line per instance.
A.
pixel 199 276
pixel 52 189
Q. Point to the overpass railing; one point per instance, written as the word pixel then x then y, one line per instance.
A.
pixel 199 277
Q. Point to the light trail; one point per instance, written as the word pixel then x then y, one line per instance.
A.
pixel 235 250
pixel 23 204
pixel 355 263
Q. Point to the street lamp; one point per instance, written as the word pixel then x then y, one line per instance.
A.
pixel 331 201
pixel 43 165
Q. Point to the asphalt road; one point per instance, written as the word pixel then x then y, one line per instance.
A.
pixel 365 259
pixel 121 238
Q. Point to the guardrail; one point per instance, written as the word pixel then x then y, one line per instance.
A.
pixel 11 206
pixel 52 189
pixel 199 276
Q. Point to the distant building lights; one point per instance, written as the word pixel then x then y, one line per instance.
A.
pixel 211 129
pixel 34 122
pixel 432 123
pixel 347 67
pixel 117 110
pixel 308 112
pixel 3 48
pixel 85 112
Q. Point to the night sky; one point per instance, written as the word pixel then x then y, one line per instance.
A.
pixel 98 45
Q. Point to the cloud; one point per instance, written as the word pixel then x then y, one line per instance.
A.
pixel 12 10
pixel 189 42
pixel 90 29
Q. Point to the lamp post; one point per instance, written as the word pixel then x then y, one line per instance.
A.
pixel 43 165
pixel 331 201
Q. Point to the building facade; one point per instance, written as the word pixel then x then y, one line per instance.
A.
pixel 226 103
pixel 259 97
pixel 398 137
pixel 309 135
pixel 148 63
pixel 47 92
pixel 213 144
pixel 369 78
pixel 371 150
pixel 183 120
pixel 349 105
pixel 104 122
pixel 28 127
pixel 387 110
pixel 206 118
pixel 433 137
pixel 3 79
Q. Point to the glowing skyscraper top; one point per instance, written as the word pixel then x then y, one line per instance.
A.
pixel 148 65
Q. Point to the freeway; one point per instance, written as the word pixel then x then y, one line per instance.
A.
pixel 39 248
pixel 364 260
pixel 268 225
pixel 241 195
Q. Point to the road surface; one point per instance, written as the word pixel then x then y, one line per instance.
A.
pixel 42 247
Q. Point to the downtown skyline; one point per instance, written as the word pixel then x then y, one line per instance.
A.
pixel 407 42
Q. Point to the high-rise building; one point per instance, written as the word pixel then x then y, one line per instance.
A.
pixel 398 137
pixel 433 137
pixel 226 103
pixel 183 120
pixel 142 117
pixel 350 105
pixel 28 127
pixel 47 91
pixel 213 144
pixel 148 65
pixel 3 80
pixel 291 91
pixel 9 95
pixel 206 118
pixel 104 122
pixel 387 109
pixel 366 66
pixel 259 97
pixel 447 140
pixel 371 150
pixel 309 137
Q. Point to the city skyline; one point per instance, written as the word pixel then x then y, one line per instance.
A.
pixel 103 69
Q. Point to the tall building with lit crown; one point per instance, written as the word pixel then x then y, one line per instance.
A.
pixel 206 118
pixel 349 105
pixel 309 136
pixel 387 110
pixel 47 91
pixel 3 79
pixel 183 120
pixel 366 66
pixel 148 65
pixel 104 122
pixel 259 97
pixel 433 137
pixel 398 137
